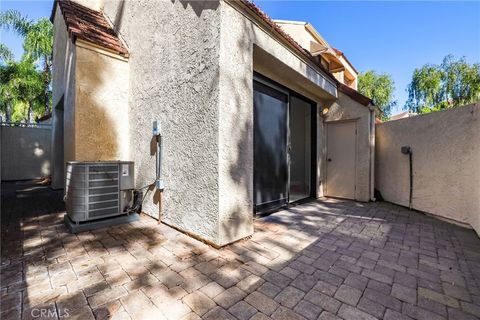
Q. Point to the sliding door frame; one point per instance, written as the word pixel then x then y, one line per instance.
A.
pixel 257 77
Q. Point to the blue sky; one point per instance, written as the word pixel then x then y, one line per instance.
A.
pixel 33 9
pixel 393 37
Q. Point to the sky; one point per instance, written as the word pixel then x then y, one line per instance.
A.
pixel 390 37
pixel 393 37
pixel 33 9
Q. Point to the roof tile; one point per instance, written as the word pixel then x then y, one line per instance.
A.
pixel 90 25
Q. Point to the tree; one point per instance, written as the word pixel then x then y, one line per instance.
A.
pixel 461 81
pixel 21 86
pixel 38 44
pixel 5 54
pixel 379 88
pixel 21 90
pixel 436 87
pixel 425 90
pixel 7 70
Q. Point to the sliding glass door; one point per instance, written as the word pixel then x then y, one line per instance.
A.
pixel 270 147
pixel 300 149
pixel 283 146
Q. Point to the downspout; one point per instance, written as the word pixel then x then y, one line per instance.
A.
pixel 408 150
pixel 372 152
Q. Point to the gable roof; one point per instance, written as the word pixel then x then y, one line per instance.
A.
pixel 89 25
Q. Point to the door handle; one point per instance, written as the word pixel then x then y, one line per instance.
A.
pixel 329 160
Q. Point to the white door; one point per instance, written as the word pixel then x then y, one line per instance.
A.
pixel 341 147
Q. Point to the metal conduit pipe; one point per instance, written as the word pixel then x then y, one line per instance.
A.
pixel 408 150
pixel 157 132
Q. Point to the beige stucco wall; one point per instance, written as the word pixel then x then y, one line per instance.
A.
pixel 61 53
pixel 290 66
pixel 345 108
pixel 94 84
pixel 96 5
pixel 351 71
pixel 174 68
pixel 101 105
pixel 198 78
pixel 200 89
pixel 299 32
pixel 446 157
pixel 235 128
pixel 63 84
pixel 246 47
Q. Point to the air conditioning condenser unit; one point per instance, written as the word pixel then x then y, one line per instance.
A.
pixel 98 194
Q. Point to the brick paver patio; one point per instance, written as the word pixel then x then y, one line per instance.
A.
pixel 322 260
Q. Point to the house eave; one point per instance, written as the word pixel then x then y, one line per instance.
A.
pixel 274 30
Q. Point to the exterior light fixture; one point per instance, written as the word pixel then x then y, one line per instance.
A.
pixel 325 110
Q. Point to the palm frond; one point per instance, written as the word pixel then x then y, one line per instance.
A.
pixel 13 19
pixel 39 39
pixel 6 55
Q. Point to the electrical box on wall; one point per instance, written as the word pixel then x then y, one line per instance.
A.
pixel 156 128
pixel 159 184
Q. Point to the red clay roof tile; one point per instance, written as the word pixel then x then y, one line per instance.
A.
pixel 90 25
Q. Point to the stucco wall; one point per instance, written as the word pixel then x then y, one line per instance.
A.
pixel 92 123
pixel 63 81
pixel 345 108
pixel 190 67
pixel 236 127
pixel 101 106
pixel 96 5
pixel 202 73
pixel 25 152
pixel 174 68
pixel 60 57
pixel 291 66
pixel 246 47
pixel 299 32
pixel 446 157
